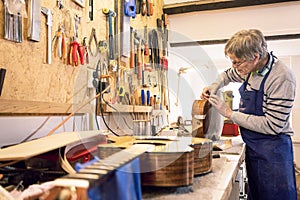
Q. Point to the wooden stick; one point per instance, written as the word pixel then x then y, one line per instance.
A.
pixel 74 112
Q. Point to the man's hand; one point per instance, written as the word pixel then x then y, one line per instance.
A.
pixel 220 105
pixel 207 91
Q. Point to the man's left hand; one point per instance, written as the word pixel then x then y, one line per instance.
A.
pixel 220 105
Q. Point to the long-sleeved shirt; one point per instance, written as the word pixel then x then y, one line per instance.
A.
pixel 279 95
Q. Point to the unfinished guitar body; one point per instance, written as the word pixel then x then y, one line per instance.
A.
pixel 172 163
pixel 202 155
pixel 200 118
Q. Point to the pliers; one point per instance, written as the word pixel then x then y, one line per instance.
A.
pixel 78 53
pixel 60 44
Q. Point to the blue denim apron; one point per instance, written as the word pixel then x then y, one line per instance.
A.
pixel 269 158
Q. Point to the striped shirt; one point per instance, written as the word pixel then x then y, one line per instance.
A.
pixel 279 95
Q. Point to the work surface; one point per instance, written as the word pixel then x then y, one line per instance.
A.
pixel 215 185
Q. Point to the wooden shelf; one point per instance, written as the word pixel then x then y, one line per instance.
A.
pixel 19 107
pixel 126 108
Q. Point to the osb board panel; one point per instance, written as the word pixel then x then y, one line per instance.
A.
pixel 28 76
pixel 30 79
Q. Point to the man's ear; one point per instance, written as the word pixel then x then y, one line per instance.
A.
pixel 256 58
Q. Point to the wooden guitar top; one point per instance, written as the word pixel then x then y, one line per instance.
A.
pixel 42 145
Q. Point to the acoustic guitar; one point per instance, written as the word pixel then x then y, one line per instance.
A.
pixel 174 161
pixel 115 177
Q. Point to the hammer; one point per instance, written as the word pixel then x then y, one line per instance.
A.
pixel 110 14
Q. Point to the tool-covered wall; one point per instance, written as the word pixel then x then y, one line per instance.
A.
pixel 50 49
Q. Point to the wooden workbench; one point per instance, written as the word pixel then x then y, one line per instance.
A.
pixel 215 185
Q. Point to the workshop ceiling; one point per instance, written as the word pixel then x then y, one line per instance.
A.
pixel 185 6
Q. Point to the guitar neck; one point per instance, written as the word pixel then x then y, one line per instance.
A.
pixel 100 170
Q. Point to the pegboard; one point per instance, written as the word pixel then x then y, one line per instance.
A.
pixel 29 78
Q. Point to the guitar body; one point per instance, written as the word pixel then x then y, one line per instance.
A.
pixel 200 118
pixel 202 155
pixel 165 169
pixel 172 163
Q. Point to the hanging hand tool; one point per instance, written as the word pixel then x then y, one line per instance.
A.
pixel 146 51
pixel 143 62
pixel 121 93
pixel 74 55
pixel 136 54
pixel 130 8
pixel 77 53
pixel 60 4
pixel 91 10
pixel 81 52
pixel 139 57
pixel 148 98
pixel 151 7
pixel 93 38
pixel 60 47
pixel 148 8
pixel 34 7
pixel 59 43
pixel 143 97
pixel 12 25
pixel 155 53
pixel 76 25
pixel 150 39
pixel 103 46
pixel 64 46
pixel 164 63
pixel 131 88
pixel 2 76
pixel 165 34
pixel 143 7
pixel 138 6
pixel 128 11
pixel 48 14
pixel 132 47
pixel 110 14
pixel 86 53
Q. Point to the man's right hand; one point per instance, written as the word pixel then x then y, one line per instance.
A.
pixel 209 90
pixel 205 93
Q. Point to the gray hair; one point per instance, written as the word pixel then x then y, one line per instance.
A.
pixel 245 43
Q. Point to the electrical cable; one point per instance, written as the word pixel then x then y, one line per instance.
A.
pixel 101 109
pixel 34 132
pixel 119 114
pixel 95 83
pixel 79 108
pixel 104 121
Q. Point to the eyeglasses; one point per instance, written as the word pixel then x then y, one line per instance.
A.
pixel 237 64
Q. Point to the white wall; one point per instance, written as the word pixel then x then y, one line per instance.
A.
pixel 272 19
pixel 14 130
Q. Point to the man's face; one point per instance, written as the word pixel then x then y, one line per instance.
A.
pixel 243 67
